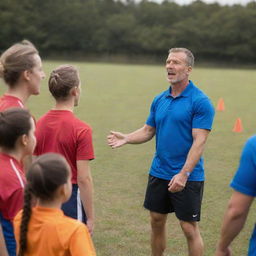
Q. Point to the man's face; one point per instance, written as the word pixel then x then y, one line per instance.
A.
pixel 177 68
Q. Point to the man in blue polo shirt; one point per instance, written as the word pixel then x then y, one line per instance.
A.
pixel 181 119
pixel 244 185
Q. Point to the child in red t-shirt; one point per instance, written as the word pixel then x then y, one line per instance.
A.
pixel 17 140
pixel 60 131
pixel 44 229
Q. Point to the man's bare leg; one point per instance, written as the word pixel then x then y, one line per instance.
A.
pixel 193 236
pixel 158 233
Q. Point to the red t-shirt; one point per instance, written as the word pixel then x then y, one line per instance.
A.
pixel 12 180
pixel 61 132
pixel 8 101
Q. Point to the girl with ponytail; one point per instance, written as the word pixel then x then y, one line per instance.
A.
pixel 44 229
pixel 21 70
pixel 17 140
pixel 60 131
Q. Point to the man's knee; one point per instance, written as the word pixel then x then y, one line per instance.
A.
pixel 190 229
pixel 158 220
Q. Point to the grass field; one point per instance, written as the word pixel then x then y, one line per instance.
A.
pixel 118 97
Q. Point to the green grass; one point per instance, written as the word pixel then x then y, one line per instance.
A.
pixel 118 97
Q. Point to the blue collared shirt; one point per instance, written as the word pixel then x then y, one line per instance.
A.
pixel 244 180
pixel 174 119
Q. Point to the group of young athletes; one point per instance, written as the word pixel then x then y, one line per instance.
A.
pixel 44 164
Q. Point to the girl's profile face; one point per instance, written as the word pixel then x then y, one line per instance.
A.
pixel 36 75
pixel 31 139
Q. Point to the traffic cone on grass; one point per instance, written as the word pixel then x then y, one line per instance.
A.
pixel 238 127
pixel 220 105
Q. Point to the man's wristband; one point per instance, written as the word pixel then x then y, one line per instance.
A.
pixel 188 174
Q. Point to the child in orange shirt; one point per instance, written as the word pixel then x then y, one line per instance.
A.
pixel 44 229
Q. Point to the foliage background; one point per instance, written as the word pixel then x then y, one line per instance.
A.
pixel 80 28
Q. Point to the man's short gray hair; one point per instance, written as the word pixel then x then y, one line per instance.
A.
pixel 189 54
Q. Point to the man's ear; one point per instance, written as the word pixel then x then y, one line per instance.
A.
pixel 189 69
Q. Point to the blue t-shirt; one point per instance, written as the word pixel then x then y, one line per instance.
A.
pixel 244 180
pixel 174 119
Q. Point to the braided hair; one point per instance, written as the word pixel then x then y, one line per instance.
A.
pixel 46 174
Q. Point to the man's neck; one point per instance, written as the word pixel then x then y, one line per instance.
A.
pixel 178 88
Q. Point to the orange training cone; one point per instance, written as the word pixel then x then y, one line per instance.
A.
pixel 220 105
pixel 238 127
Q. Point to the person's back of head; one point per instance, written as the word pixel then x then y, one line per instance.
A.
pixel 14 123
pixel 45 176
pixel 62 80
pixel 16 59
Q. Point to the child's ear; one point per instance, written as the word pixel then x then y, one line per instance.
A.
pixel 24 140
pixel 62 191
pixel 26 75
pixel 74 91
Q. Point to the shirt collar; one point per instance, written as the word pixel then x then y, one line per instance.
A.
pixel 7 157
pixel 185 93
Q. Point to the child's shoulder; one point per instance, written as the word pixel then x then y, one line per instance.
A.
pixel 69 223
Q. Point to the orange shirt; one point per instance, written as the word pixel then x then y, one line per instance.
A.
pixel 53 234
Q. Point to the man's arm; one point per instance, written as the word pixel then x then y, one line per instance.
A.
pixel 118 139
pixel 233 222
pixel 178 181
pixel 3 250
pixel 85 184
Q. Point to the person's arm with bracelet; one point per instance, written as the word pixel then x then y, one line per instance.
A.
pixel 179 181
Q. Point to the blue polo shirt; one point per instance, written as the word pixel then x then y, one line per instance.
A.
pixel 244 180
pixel 174 119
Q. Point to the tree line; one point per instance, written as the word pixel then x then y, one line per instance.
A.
pixel 83 27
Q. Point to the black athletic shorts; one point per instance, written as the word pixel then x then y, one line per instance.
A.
pixel 186 204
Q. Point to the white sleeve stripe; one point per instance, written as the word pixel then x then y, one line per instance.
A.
pixel 17 173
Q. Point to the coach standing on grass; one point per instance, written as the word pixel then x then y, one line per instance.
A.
pixel 181 118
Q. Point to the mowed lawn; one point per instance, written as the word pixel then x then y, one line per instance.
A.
pixel 118 97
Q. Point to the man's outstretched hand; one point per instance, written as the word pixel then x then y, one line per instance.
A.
pixel 116 139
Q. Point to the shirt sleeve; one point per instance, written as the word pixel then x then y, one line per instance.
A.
pixel 85 145
pixel 203 114
pixel 15 203
pixel 151 118
pixel 244 180
pixel 81 243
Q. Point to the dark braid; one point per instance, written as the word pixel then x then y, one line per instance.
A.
pixel 25 220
